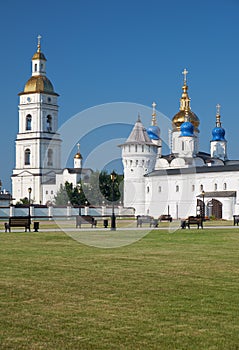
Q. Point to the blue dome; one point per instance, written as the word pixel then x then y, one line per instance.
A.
pixel 186 129
pixel 218 134
pixel 154 132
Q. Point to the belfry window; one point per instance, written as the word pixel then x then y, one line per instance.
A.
pixel 49 123
pixel 182 145
pixel 27 156
pixel 35 67
pixel 50 157
pixel 28 122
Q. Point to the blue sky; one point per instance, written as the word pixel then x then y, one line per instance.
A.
pixel 114 51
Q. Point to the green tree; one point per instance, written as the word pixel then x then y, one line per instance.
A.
pixel 94 191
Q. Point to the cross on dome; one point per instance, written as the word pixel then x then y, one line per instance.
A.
pixel 78 147
pixel 218 108
pixel 185 72
pixel 39 43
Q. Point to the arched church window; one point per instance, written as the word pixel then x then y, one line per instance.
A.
pixel 35 67
pixel 193 188
pixel 27 156
pixel 177 188
pixel 215 187
pixel 147 189
pixel 136 162
pixel 142 148
pixel 201 187
pixel 28 122
pixel 50 157
pixel 182 145
pixel 160 189
pixel 224 186
pixel 49 123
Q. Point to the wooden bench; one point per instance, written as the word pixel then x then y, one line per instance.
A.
pixel 146 219
pixel 19 221
pixel 165 217
pixel 85 219
pixel 192 220
pixel 235 220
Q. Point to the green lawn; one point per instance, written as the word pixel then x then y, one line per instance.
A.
pixel 167 291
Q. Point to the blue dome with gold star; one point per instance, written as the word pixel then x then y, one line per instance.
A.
pixel 154 132
pixel 186 129
pixel 218 134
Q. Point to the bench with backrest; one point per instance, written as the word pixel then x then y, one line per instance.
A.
pixel 192 220
pixel 235 220
pixel 85 219
pixel 165 217
pixel 146 219
pixel 19 221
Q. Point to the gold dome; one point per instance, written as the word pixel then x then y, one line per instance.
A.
pixel 179 119
pixel 38 83
pixel 78 156
pixel 38 56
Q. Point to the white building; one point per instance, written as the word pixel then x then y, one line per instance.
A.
pixel 38 145
pixel 185 181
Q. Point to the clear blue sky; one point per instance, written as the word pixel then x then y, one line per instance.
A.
pixel 129 50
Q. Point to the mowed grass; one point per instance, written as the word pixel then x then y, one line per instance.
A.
pixel 167 291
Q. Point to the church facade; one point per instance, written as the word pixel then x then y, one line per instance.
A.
pixel 186 181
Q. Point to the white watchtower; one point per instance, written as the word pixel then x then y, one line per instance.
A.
pixel 139 155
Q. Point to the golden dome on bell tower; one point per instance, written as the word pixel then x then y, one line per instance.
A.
pixel 179 118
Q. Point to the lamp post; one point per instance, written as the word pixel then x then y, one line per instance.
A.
pixel 113 222
pixel 79 191
pixel 203 208
pixel 29 201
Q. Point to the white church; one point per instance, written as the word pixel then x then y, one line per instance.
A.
pixel 181 183
pixel 186 181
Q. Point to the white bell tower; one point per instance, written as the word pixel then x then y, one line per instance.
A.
pixel 38 145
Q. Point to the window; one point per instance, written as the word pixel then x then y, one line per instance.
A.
pixel 143 162
pixel 130 162
pixel 27 156
pixel 160 189
pixel 49 123
pixel 215 187
pixel 201 187
pixel 35 67
pixel 147 189
pixel 193 188
pixel 182 145
pixel 51 192
pixel 46 192
pixel 41 66
pixel 137 163
pixel 142 148
pixel 224 186
pixel 129 148
pixel 177 188
pixel 28 122
pixel 136 148
pixel 50 157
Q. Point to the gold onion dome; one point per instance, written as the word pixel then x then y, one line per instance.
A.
pixel 78 156
pixel 39 83
pixel 179 118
